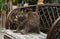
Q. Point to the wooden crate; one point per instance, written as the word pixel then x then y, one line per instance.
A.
pixel 48 14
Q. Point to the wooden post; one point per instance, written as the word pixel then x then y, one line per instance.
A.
pixel 10 5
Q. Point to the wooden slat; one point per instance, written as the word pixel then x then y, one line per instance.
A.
pixel 57 11
pixel 49 16
pixel 53 13
pixel 45 16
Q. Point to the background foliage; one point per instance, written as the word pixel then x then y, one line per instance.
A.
pixel 1 5
pixel 15 2
pixel 52 1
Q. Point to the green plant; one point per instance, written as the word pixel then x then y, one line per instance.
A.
pixel 2 5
